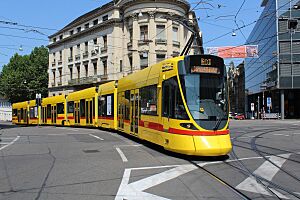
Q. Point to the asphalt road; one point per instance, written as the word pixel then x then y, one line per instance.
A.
pixel 78 163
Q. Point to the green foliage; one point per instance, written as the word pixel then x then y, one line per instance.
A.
pixel 24 76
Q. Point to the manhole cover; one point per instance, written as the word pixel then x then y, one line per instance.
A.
pixel 91 151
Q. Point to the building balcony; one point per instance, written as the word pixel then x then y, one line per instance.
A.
pixel 53 63
pixel 70 59
pixel 85 55
pixel 176 43
pixel 52 84
pixel 161 41
pixel 87 80
pixel 94 52
pixel 77 57
pixel 103 49
pixel 129 45
pixel 59 83
pixel 59 62
pixel 144 42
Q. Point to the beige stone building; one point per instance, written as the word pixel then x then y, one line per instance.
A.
pixel 117 39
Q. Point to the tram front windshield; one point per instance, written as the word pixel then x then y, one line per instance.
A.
pixel 206 98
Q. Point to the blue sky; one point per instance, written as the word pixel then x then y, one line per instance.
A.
pixel 49 16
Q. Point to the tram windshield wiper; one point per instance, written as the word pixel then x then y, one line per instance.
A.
pixel 221 117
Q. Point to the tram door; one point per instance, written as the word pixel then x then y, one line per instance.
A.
pixel 76 113
pixel 53 114
pixel 121 110
pixel 134 111
pixel 89 112
pixel 19 116
pixel 44 114
pixel 25 117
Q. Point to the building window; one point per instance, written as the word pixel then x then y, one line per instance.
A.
pixel 95 68
pixel 121 65
pixel 144 60
pixel 78 29
pixel 60 76
pixel 86 26
pixel 78 49
pixel 95 22
pixel 53 73
pixel 104 67
pixel 71 32
pixel 60 37
pixel 175 34
pixel 130 34
pixel 105 41
pixel 71 52
pixel 60 55
pixel 71 73
pixel 160 57
pixel 130 63
pixel 86 47
pixel 78 72
pixel 95 41
pixel 144 33
pixel 149 100
pixel 54 39
pixel 161 32
pixel 86 68
pixel 105 18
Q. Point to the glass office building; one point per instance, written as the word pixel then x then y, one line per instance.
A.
pixel 275 73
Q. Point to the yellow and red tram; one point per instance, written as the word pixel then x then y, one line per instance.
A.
pixel 180 104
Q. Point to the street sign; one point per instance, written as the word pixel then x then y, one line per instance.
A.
pixel 269 101
pixel 252 106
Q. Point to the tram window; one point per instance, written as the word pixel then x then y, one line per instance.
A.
pixel 82 108
pixel 166 100
pixel 94 106
pixel 48 111
pixel 22 113
pixel 173 106
pixel 149 100
pixel 110 105
pixel 60 108
pixel 31 113
pixel 71 107
pixel 15 112
pixel 102 106
pixel 127 105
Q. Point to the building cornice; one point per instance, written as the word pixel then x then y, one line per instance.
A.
pixel 103 25
pixel 126 3
pixel 86 17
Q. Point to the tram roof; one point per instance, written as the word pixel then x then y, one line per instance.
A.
pixel 53 100
pixel 147 76
pixel 82 94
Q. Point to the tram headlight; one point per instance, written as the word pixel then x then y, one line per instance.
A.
pixel 188 126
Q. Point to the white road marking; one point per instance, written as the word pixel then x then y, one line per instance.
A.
pixel 7 145
pixel 296 133
pixel 267 171
pixel 130 145
pixel 99 138
pixel 122 154
pixel 281 134
pixel 242 137
pixel 135 190
pixel 65 128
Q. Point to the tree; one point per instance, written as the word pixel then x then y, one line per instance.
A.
pixel 24 76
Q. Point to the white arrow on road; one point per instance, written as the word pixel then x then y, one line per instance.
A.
pixel 134 191
pixel 267 171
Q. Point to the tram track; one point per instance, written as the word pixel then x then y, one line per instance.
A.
pixel 222 181
pixel 262 181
